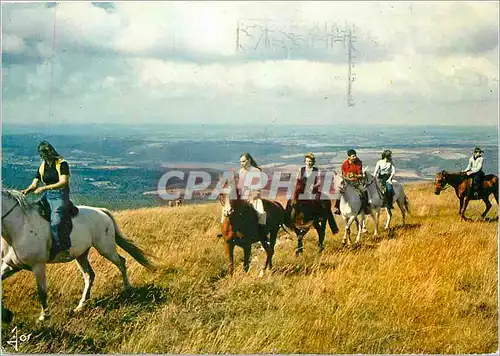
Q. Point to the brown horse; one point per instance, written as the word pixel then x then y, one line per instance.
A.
pixel 301 215
pixel 463 187
pixel 240 227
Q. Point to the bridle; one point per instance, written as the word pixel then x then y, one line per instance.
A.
pixel 10 210
pixel 379 192
pixel 442 187
pixel 226 212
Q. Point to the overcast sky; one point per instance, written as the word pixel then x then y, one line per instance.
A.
pixel 415 63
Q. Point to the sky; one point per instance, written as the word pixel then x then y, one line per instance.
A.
pixel 417 63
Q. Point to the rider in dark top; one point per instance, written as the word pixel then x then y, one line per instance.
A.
pixel 54 174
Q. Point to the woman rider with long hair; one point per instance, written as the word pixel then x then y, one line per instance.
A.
pixel 54 174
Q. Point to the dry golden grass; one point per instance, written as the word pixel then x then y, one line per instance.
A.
pixel 428 288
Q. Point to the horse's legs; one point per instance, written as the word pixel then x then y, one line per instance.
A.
pixel 41 284
pixel 273 235
pixel 300 242
pixel 358 226
pixel 7 315
pixel 347 233
pixel 460 215
pixel 363 224
pixel 118 261
pixel 247 250
pixel 321 229
pixel 229 251
pixel 403 210
pixel 346 229
pixel 466 203
pixel 83 264
pixel 375 213
pixel 269 256
pixel 7 271
pixel 389 218
pixel 488 206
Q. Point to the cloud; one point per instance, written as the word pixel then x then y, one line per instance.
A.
pixel 178 61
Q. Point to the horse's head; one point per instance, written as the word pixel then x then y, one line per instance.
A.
pixel 10 200
pixel 229 196
pixel 301 213
pixel 369 178
pixel 440 182
pixel 339 183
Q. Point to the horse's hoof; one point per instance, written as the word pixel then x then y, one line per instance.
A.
pixel 43 317
pixel 261 273
pixel 7 315
pixel 364 231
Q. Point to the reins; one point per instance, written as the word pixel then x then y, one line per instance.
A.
pixel 10 210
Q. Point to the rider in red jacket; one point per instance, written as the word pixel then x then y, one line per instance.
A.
pixel 352 170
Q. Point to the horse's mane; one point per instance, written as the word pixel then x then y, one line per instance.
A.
pixel 241 203
pixel 456 174
pixel 24 203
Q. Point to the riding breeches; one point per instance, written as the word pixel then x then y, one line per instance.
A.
pixel 388 187
pixel 257 204
pixel 477 180
pixel 60 219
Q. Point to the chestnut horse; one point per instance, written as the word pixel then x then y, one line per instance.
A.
pixel 462 184
pixel 304 214
pixel 240 227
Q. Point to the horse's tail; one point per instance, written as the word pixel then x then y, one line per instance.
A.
pixel 331 221
pixel 136 252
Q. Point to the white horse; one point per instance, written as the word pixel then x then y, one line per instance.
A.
pixel 376 200
pixel 350 207
pixel 27 241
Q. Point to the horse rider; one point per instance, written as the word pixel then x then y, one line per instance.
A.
pixel 54 173
pixel 384 172
pixel 305 173
pixel 246 188
pixel 475 171
pixel 247 176
pixel 352 170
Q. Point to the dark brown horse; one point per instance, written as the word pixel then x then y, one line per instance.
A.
pixel 301 215
pixel 463 188
pixel 240 227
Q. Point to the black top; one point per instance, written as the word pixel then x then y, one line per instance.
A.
pixel 50 175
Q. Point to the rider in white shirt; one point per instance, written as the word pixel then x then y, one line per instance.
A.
pixel 384 172
pixel 249 179
pixel 475 169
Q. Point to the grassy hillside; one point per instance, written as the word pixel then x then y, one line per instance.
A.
pixel 428 288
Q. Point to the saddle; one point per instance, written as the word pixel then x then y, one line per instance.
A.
pixel 470 187
pixel 44 210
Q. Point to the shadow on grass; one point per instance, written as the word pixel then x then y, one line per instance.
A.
pixel 407 227
pixel 147 297
pixel 221 275
pixel 291 270
pixel 45 338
